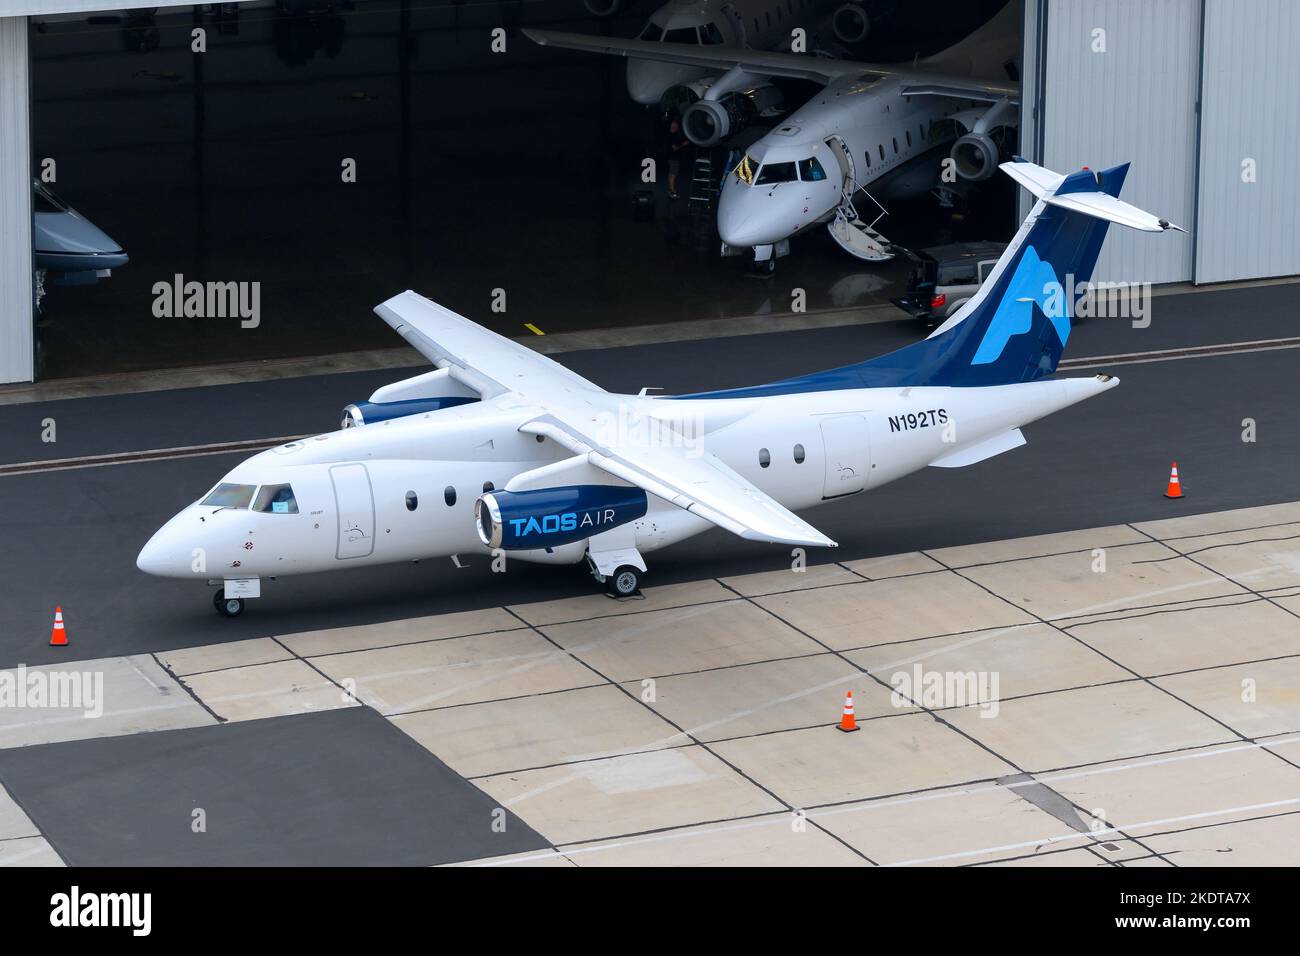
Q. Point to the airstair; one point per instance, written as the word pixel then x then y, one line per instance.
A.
pixel 855 235
pixel 701 201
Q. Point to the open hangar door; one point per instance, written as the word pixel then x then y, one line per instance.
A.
pixel 1195 93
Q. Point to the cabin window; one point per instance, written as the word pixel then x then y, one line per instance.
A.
pixel 764 458
pixel 412 501
pixel 894 140
pixel 227 495
pixel 488 486
pixel 798 454
pixel 276 500
pixel 881 147
pixel 449 495
pixel 867 157
pixel 909 138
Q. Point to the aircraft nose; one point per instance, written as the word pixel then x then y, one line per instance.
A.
pixel 741 219
pixel 165 554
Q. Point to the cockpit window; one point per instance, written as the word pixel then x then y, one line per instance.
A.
pixel 682 35
pixel 652 32
pixel 776 173
pixel 276 500
pixel 810 171
pixel 227 495
pixel 745 169
pixel 710 35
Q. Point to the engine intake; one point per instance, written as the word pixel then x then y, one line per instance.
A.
pixel 367 413
pixel 550 517
pixel 975 156
pixel 850 23
pixel 708 122
pixel 602 8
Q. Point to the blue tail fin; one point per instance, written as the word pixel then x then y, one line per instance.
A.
pixel 1016 327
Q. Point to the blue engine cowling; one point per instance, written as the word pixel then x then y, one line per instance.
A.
pixel 550 517
pixel 367 413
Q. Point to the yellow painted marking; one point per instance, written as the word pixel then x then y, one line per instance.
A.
pixel 534 329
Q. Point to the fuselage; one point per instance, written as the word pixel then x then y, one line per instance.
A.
pixel 405 489
pixel 857 132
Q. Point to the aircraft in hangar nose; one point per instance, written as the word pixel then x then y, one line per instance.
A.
pixel 500 450
pixel 878 126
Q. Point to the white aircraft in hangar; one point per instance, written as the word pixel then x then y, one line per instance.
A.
pixel 500 450
pixel 876 128
pixel 749 24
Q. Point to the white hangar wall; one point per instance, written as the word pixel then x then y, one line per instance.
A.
pixel 1187 90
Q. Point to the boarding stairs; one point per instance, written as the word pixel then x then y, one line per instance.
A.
pixel 855 235
pixel 701 201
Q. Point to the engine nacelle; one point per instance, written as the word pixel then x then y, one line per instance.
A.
pixel 551 517
pixel 708 122
pixel 975 156
pixel 602 8
pixel 850 23
pixel 367 413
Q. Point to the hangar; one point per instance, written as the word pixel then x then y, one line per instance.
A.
pixel 506 177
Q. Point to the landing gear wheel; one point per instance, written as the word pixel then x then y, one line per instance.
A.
pixel 624 582
pixel 227 607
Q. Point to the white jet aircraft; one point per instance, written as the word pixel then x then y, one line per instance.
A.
pixel 874 127
pixel 750 24
pixel 502 451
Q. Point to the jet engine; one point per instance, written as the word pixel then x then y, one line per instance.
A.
pixel 366 413
pixel 708 122
pixel 602 8
pixel 990 140
pixel 551 517
pixel 850 23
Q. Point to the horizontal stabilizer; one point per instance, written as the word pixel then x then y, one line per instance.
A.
pixel 1082 192
pixel 980 451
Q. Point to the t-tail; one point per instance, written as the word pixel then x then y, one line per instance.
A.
pixel 1016 326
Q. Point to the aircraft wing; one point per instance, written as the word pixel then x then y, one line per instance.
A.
pixel 798 66
pixel 961 88
pixel 479 358
pixel 690 478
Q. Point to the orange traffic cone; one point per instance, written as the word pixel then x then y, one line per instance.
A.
pixel 58 636
pixel 848 723
pixel 1175 489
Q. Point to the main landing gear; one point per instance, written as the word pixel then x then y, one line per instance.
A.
pixel 227 607
pixel 612 569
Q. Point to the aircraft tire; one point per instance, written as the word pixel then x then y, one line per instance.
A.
pixel 227 607
pixel 624 582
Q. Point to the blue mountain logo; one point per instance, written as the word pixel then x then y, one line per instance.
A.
pixel 1034 282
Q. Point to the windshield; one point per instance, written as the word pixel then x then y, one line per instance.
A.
pixel 276 500
pixel 227 495
pixel 682 35
pixel 652 32
pixel 776 173
pixel 810 171
pixel 710 35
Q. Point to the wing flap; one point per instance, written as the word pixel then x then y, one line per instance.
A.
pixel 694 481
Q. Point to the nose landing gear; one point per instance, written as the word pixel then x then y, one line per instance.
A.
pixel 620 570
pixel 227 607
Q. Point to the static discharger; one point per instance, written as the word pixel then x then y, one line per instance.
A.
pixel 58 636
pixel 1175 489
pixel 848 723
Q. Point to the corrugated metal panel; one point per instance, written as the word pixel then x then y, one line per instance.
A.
pixel 15 206
pixel 1135 102
pixel 1251 92
pixel 24 8
pixel 1032 27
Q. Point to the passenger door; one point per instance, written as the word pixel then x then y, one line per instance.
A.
pixel 354 504
pixel 848 455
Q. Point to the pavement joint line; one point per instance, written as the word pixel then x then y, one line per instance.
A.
pixel 950 791
pixel 381 647
pixel 1157 610
pixel 692 736
pixel 495 700
pixel 1282 607
pixel 1083 810
pixel 1065 838
pixel 188 689
pixel 1215 547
